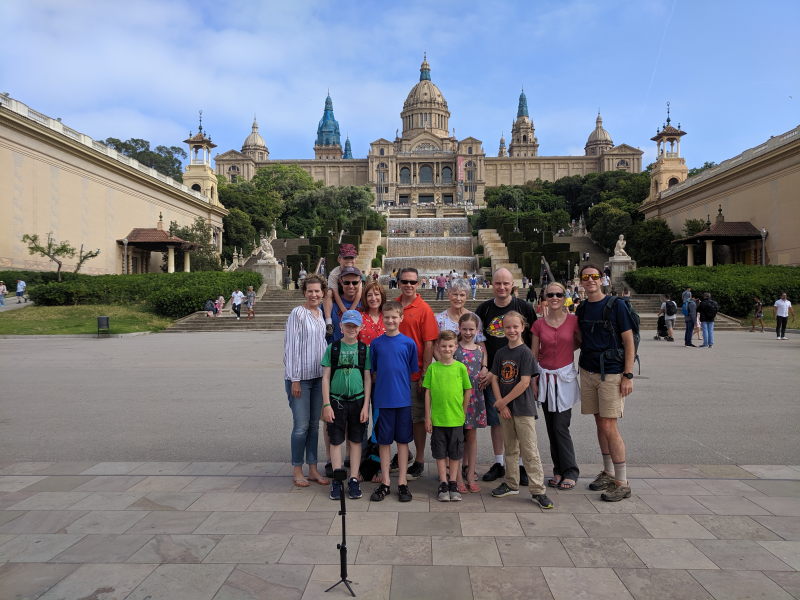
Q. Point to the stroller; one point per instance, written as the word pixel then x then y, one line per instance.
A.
pixel 661 330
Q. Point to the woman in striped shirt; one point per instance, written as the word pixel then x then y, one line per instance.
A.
pixel 303 349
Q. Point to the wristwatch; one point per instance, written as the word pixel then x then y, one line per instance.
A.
pixel 628 375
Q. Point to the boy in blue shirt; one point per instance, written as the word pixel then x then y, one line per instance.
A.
pixel 394 360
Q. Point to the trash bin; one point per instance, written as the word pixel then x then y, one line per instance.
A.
pixel 103 326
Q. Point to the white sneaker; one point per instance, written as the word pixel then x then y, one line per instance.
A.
pixel 784 338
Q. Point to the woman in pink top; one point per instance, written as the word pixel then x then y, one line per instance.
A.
pixel 555 339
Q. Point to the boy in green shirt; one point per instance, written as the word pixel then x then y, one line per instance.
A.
pixel 447 388
pixel 346 385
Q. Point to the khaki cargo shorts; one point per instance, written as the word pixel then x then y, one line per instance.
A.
pixel 601 397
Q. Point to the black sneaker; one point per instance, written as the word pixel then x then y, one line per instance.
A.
pixel 380 493
pixel 504 490
pixel 336 490
pixel 329 470
pixel 542 500
pixel 353 489
pixel 394 467
pixel 455 495
pixel 496 472
pixel 404 493
pixel 444 492
pixel 416 470
pixel 523 476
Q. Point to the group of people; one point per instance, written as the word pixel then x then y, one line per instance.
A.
pixel 415 373
pixel 20 288
pixel 214 307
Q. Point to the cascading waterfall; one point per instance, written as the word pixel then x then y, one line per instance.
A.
pixel 431 245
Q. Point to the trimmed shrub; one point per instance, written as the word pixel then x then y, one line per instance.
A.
pixel 293 261
pixel 376 263
pixel 532 264
pixel 37 277
pixel 325 243
pixel 732 286
pixel 479 249
pixel 315 252
pixel 486 262
pixel 352 239
pixel 381 250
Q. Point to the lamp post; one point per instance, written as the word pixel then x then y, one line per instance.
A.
pixel 125 256
pixel 763 243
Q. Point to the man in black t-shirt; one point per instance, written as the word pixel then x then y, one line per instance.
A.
pixel 491 314
pixel 606 372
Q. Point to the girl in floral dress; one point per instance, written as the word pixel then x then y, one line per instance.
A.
pixel 474 358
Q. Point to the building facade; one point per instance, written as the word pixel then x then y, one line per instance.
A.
pixel 426 164
pixel 60 181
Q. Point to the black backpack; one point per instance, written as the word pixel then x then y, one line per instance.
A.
pixel 710 309
pixel 670 308
pixel 336 350
pixel 618 351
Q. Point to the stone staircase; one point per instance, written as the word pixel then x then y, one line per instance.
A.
pixel 583 243
pixel 368 249
pixel 495 249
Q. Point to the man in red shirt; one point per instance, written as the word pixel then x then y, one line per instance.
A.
pixel 441 284
pixel 420 325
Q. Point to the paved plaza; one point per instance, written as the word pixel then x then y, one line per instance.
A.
pixel 155 467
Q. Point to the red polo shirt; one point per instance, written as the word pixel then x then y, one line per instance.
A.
pixel 420 325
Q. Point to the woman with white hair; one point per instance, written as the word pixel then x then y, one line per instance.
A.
pixel 448 319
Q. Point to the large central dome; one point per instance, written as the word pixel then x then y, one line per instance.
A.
pixel 425 108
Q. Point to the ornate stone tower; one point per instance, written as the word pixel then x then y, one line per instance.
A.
pixel 328 145
pixel 523 138
pixel 599 140
pixel 254 145
pixel 501 152
pixel 198 174
pixel 348 151
pixel 670 167
pixel 425 108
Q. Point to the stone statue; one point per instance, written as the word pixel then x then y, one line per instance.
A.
pixel 266 253
pixel 575 271
pixel 619 249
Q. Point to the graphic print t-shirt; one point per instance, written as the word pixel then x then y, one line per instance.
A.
pixel 491 316
pixel 510 365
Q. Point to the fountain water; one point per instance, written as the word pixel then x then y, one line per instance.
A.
pixel 431 245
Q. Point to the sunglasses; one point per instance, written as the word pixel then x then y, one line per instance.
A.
pixel 588 276
pixel 554 294
pixel 409 281
pixel 356 282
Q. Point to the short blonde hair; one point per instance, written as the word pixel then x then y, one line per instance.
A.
pixel 515 314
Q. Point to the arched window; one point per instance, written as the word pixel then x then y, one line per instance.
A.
pixel 672 181
pixel 447 175
pixel 405 175
pixel 524 139
pixel 196 187
pixel 623 164
pixel 381 152
pixel 469 150
pixel 425 174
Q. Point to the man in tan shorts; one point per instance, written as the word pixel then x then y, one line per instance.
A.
pixel 606 371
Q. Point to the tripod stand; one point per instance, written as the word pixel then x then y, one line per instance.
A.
pixel 341 476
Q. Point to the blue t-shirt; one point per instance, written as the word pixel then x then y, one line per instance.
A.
pixel 336 317
pixel 598 338
pixel 394 359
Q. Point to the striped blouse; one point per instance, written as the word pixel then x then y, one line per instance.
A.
pixel 304 345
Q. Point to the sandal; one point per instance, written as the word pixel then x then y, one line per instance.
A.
pixel 566 484
pixel 462 489
pixel 320 480
pixel 474 487
pixel 301 483
pixel 553 482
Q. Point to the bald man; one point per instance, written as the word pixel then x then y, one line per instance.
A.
pixel 491 314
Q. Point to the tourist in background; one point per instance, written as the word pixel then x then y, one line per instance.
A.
pixel 219 305
pixel 473 285
pixel 303 349
pixel 670 310
pixel 783 308
pixel 689 310
pixel 21 287
pixel 707 312
pixel 555 339
pixel 441 285
pixel 236 302
pixel 250 302
pixel 3 292
pixel 758 314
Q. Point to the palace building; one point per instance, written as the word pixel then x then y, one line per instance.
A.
pixel 426 164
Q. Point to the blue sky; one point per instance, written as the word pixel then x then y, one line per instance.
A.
pixel 143 68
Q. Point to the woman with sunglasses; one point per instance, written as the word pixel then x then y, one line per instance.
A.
pixel 555 339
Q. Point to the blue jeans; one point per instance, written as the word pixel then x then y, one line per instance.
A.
pixel 474 292
pixel 687 336
pixel 306 411
pixel 2 299
pixel 708 333
pixel 440 293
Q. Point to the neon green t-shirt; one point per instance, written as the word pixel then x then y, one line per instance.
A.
pixel 447 384
pixel 347 384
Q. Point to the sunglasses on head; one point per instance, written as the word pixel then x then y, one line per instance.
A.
pixel 588 276
pixel 554 294
pixel 409 281
pixel 351 282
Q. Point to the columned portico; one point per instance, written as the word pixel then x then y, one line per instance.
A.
pixel 187 262
pixel 709 253
pixel 689 255
pixel 170 259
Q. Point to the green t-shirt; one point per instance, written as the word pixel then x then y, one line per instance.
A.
pixel 347 384
pixel 447 384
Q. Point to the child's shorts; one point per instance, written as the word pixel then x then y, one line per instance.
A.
pixel 394 425
pixel 346 419
pixel 447 442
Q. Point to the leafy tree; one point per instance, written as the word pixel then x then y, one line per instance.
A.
pixel 692 226
pixel 52 249
pixel 698 170
pixel 558 219
pixel 264 207
pixel 204 256
pixel 238 232
pixel 84 256
pixel 167 160
pixel 286 180
pixel 608 222
pixel 650 243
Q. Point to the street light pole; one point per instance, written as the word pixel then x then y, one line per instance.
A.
pixel 763 243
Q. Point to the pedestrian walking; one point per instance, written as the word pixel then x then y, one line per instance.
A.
pixel 783 308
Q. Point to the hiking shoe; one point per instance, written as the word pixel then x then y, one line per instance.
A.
pixel 615 493
pixel 329 470
pixel 329 329
pixel 336 490
pixel 496 472
pixel 404 493
pixel 523 476
pixel 444 492
pixel 542 500
pixel 416 470
pixel 380 493
pixel 601 482
pixel 503 490
pixel 455 495
pixel 353 489
pixel 394 467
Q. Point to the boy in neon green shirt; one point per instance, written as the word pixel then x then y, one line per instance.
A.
pixel 447 388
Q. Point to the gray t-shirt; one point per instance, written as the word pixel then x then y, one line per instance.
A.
pixel 510 365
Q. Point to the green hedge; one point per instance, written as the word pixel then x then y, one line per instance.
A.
pixel 486 262
pixel 376 263
pixel 37 277
pixel 732 286
pixel 168 294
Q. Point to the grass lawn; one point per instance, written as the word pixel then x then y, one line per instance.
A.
pixel 60 320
